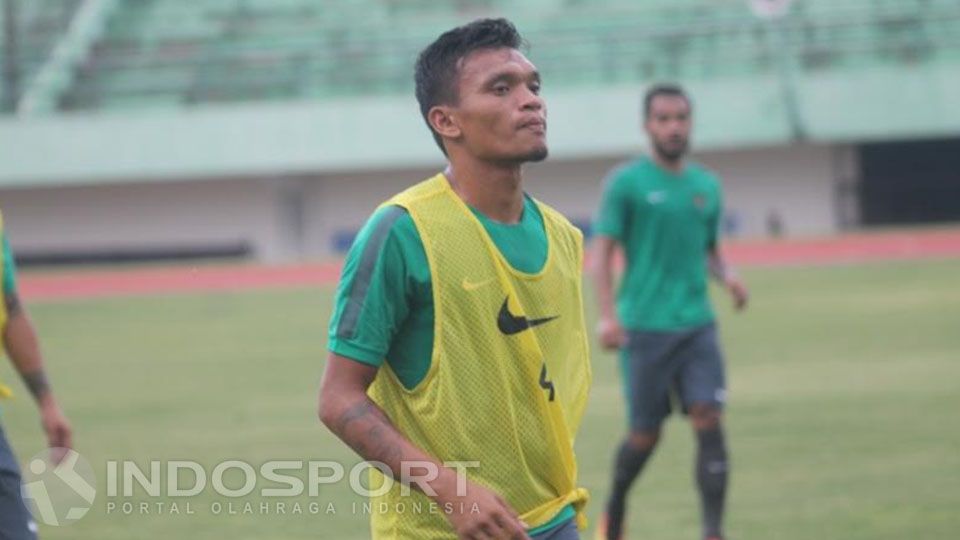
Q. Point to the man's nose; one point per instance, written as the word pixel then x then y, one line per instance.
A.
pixel 532 101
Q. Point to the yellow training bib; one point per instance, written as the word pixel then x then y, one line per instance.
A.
pixel 5 391
pixel 509 374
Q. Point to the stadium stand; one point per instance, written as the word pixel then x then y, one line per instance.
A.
pixel 30 31
pixel 170 53
pixel 168 119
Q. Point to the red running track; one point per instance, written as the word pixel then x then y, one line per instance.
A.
pixel 854 248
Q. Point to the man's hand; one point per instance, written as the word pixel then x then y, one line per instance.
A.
pixel 738 291
pixel 481 513
pixel 611 334
pixel 476 512
pixel 57 428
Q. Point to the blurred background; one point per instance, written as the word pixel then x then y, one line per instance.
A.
pixel 151 126
pixel 180 179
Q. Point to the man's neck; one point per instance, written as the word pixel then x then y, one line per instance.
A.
pixel 675 166
pixel 495 191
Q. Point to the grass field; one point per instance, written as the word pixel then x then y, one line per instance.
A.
pixel 845 387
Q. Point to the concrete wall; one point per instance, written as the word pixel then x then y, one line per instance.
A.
pixel 297 217
pixel 798 182
pixel 143 216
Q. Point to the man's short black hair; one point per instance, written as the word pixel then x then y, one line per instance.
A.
pixel 438 65
pixel 663 89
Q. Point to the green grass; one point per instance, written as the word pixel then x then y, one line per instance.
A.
pixel 845 386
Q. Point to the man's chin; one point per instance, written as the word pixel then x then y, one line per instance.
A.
pixel 537 154
pixel 672 154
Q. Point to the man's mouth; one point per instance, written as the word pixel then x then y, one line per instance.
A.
pixel 537 126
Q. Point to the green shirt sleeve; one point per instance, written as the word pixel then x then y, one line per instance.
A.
pixel 611 218
pixel 9 268
pixel 374 297
pixel 716 217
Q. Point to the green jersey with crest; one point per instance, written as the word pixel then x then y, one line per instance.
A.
pixel 667 224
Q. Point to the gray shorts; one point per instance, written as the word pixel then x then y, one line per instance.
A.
pixel 567 531
pixel 16 523
pixel 660 368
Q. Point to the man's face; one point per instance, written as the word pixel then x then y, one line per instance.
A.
pixel 500 115
pixel 668 125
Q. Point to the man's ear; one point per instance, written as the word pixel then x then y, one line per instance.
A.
pixel 443 120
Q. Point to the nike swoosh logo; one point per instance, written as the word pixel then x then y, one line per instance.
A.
pixel 510 324
pixel 656 197
pixel 474 285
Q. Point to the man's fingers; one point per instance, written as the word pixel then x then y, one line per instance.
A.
pixel 489 530
pixel 57 454
pixel 510 523
pixel 612 340
pixel 476 532
pixel 66 437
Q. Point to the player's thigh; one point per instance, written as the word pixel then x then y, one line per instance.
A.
pixel 648 370
pixel 701 379
pixel 567 531
pixel 16 523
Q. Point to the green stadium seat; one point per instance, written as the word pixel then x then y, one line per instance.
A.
pixel 169 52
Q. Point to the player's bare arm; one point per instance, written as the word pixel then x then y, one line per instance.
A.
pixel 608 327
pixel 23 348
pixel 727 276
pixel 351 415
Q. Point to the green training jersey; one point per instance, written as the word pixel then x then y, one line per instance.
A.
pixel 667 224
pixel 9 269
pixel 384 303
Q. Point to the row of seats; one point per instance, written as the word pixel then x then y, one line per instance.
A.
pixel 37 25
pixel 175 53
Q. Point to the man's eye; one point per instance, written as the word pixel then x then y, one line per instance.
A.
pixel 501 89
pixel 535 88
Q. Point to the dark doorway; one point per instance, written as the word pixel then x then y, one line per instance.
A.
pixel 910 182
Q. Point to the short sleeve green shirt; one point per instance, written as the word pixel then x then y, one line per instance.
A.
pixel 9 268
pixel 667 224
pixel 384 303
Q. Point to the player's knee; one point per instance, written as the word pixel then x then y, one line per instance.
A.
pixel 643 440
pixel 705 416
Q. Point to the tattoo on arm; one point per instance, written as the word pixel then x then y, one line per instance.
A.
pixel 12 303
pixel 378 442
pixel 37 383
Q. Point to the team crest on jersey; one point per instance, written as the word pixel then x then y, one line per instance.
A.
pixel 699 201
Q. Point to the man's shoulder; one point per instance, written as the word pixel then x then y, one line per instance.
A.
pixel 389 222
pixel 556 217
pixel 625 178
pixel 424 189
pixel 704 174
pixel 626 170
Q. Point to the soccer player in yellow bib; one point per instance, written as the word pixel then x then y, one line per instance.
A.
pixel 458 332
pixel 21 346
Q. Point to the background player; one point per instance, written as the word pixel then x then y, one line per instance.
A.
pixel 664 212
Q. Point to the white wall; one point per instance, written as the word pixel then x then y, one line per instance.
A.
pixel 289 218
pixel 137 216
pixel 799 182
